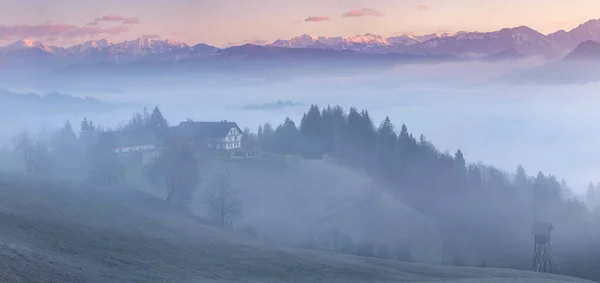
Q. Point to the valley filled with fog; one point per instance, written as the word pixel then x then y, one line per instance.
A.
pixel 460 105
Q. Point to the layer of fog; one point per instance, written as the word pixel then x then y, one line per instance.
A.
pixel 301 202
pixel 73 233
pixel 550 128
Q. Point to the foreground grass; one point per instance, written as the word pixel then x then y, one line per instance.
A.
pixel 56 231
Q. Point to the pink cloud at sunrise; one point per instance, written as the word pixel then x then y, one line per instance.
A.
pixel 317 19
pixel 56 31
pixel 362 13
pixel 222 22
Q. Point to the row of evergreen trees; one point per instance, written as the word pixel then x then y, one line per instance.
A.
pixel 487 203
pixel 414 163
pixel 87 155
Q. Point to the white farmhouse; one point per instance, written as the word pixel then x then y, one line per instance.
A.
pixel 224 135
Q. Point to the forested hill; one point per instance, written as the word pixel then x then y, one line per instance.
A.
pixel 485 213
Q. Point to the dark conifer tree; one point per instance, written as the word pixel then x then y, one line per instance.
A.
pixel 87 133
pixel 311 125
pixel 157 124
pixel 286 137
pixel 368 132
pixel 387 146
pixel 459 158
pixel 337 126
pixel 249 139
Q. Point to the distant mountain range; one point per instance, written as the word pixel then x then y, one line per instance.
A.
pixel 304 54
pixel 470 44
pixel 95 51
pixel 465 44
pixel 368 43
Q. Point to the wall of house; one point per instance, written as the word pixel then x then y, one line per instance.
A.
pixel 150 156
pixel 233 140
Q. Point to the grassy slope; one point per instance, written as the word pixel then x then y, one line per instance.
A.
pixel 310 197
pixel 54 231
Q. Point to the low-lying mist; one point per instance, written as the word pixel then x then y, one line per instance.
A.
pixel 458 105
pixel 431 204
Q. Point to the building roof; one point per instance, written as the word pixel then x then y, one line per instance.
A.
pixel 132 138
pixel 202 129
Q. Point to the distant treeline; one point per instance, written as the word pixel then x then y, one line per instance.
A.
pixel 278 105
pixel 13 103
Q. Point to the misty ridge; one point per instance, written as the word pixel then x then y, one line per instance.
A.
pixel 50 103
pixel 36 111
pixel 278 105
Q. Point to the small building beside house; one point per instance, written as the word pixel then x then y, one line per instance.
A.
pixel 136 147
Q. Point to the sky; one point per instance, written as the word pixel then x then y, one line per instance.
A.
pixel 231 22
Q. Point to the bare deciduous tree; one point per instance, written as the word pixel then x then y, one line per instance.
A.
pixel 222 200
pixel 176 171
pixel 33 151
pixel 24 147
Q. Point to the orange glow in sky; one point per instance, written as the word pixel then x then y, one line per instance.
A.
pixel 226 22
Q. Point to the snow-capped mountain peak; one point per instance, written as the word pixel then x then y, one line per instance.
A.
pixel 405 40
pixel 101 43
pixel 27 43
pixel 89 46
pixel 369 38
pixel 302 41
pixel 368 42
pixel 142 46
pixel 175 43
pixel 423 38
pixel 356 42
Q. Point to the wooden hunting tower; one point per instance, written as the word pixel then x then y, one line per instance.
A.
pixel 542 253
